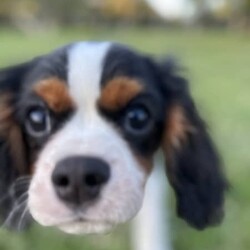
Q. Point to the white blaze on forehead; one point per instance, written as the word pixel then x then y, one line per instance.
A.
pixel 87 133
pixel 85 71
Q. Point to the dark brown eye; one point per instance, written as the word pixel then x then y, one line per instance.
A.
pixel 137 120
pixel 38 121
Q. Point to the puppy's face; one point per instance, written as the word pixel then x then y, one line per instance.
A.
pixel 85 121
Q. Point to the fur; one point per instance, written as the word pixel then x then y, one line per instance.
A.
pixel 95 121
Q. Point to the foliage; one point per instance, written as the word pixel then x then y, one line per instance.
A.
pixel 66 12
pixel 32 13
pixel 126 10
pixel 246 7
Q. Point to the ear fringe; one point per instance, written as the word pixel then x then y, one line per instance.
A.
pixel 5 113
pixel 194 170
pixel 11 133
pixel 175 136
pixel 12 146
pixel 193 165
pixel 178 127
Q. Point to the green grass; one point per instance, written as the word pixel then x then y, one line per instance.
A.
pixel 218 66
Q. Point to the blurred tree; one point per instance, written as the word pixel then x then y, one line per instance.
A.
pixel 202 7
pixel 28 14
pixel 5 10
pixel 12 11
pixel 125 10
pixel 215 13
pixel 62 11
pixel 240 17
pixel 25 13
pixel 121 8
pixel 246 11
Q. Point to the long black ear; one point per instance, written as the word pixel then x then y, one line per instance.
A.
pixel 13 163
pixel 11 78
pixel 193 165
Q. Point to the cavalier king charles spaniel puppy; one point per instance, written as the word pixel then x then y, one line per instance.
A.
pixel 79 128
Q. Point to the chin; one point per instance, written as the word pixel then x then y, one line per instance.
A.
pixel 80 228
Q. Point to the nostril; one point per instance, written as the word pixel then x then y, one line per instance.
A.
pixel 93 180
pixel 61 181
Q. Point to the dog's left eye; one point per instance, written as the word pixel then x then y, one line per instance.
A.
pixel 38 121
pixel 137 120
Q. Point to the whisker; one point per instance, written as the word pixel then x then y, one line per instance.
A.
pixel 21 186
pixel 23 182
pixel 7 222
pixel 19 199
pixel 17 184
pixel 19 181
pixel 22 218
pixel 25 177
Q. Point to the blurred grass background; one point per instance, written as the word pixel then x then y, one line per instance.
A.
pixel 217 63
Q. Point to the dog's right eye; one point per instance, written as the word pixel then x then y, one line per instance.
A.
pixel 38 122
pixel 138 120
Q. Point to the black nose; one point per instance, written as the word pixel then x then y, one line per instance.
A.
pixel 80 179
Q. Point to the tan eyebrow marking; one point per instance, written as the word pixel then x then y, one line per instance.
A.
pixel 119 92
pixel 55 93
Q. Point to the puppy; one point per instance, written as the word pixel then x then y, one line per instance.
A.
pixel 78 131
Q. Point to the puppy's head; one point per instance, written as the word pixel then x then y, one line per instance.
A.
pixel 84 123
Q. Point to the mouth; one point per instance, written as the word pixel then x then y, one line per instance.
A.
pixel 82 225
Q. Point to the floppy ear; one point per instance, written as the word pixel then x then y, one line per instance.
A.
pixel 13 163
pixel 192 162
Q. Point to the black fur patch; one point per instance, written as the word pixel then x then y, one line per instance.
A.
pixel 194 168
pixel 17 82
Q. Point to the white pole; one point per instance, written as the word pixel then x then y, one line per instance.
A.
pixel 150 229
